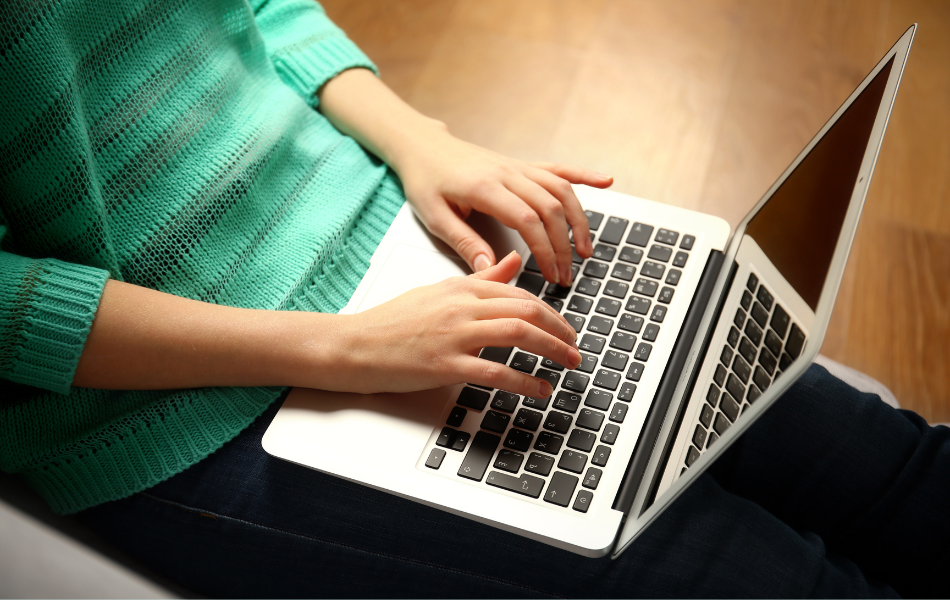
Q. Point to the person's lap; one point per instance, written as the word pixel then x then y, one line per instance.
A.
pixel 827 483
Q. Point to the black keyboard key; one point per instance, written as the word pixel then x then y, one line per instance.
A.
pixel 630 323
pixel 733 337
pixel 768 362
pixel 645 287
pixel 603 252
pixel 729 407
pixel 435 458
pixel 589 419
pixel 706 415
pixel 539 463
pixel 530 282
pixel 687 242
pixel 580 304
pixel 472 398
pixel 599 399
pixel 576 258
pixel 587 286
pixel 479 455
pixel 623 341
pixel 712 395
pixel 596 269
pixel 581 440
pixel 752 396
pixel 608 306
pixel 619 412
pixel 719 376
pixel 746 300
pixel 524 362
pixel 660 253
pixel 496 421
pixel 721 425
pixel 627 390
pixel 666 295
pixel 561 489
pixel 617 289
pixel 658 314
pixel 759 314
pixel 600 325
pixel 713 436
pixel 567 401
pixel 576 381
pixel 742 369
pixel 673 277
pixel 505 401
pixel 631 255
pixel 795 343
pixel 607 379
pixel 625 272
pixel 765 297
pixel 601 454
pixel 558 422
pixel 739 319
pixel 583 501
pixel 760 377
pixel 652 270
pixel 634 371
pixel 643 352
pixel 518 440
pixel 640 306
pixel 592 478
pixel 615 360
pixel 548 442
pixel 667 237
pixel 547 363
pixel 461 439
pixel 550 376
pixel 692 455
pixel 528 419
pixel 538 403
pixel 735 388
pixel 446 437
pixel 508 460
pixel 680 259
pixel 752 282
pixel 456 416
pixel 572 461
pixel 594 219
pixel 773 342
pixel 532 265
pixel 640 235
pixel 591 343
pixel 779 323
pixel 784 362
pixel 725 357
pixel 588 363
pixel 525 485
pixel 498 355
pixel 558 291
pixel 554 303
pixel 609 436
pixel 613 230
pixel 752 330
pixel 575 321
pixel 747 350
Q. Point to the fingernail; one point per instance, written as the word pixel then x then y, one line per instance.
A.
pixel 575 358
pixel 545 389
pixel 603 176
pixel 482 262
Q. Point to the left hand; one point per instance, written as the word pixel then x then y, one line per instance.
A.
pixel 446 178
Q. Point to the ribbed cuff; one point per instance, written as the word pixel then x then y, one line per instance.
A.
pixel 58 315
pixel 308 68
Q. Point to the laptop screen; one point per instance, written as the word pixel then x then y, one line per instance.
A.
pixel 798 227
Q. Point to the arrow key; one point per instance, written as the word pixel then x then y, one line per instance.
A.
pixel 561 489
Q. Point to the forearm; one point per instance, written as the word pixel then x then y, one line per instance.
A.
pixel 145 339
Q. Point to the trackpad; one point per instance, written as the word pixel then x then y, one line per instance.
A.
pixel 409 267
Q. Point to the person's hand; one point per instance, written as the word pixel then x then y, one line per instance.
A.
pixel 446 178
pixel 431 336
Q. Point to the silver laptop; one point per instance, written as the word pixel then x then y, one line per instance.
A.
pixel 688 331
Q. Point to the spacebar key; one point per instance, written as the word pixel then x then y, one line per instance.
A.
pixel 526 484
pixel 479 455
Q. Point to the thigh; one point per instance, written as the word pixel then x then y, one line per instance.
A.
pixel 872 481
pixel 242 523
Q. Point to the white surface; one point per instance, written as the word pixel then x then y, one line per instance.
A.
pixel 38 562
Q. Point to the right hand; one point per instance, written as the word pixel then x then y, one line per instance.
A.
pixel 431 336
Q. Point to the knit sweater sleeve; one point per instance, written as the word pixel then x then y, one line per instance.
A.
pixel 304 45
pixel 46 309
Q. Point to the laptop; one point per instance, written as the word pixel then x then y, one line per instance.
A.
pixel 688 333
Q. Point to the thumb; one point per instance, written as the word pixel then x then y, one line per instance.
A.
pixel 503 271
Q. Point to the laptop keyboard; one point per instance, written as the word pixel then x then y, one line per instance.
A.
pixel 761 343
pixel 558 446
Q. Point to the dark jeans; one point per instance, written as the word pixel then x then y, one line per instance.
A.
pixel 832 493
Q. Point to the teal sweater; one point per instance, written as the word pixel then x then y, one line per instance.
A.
pixel 170 144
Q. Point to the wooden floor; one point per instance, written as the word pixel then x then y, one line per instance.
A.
pixel 702 104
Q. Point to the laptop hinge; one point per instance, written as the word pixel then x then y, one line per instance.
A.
pixel 671 376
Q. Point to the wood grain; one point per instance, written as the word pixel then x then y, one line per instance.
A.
pixel 702 104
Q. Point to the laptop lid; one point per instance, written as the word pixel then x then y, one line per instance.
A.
pixel 804 227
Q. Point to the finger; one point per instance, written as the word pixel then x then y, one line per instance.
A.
pixel 551 211
pixel 491 374
pixel 486 290
pixel 515 213
pixel 505 333
pixel 502 272
pixel 451 229
pixel 573 211
pixel 576 174
pixel 528 311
